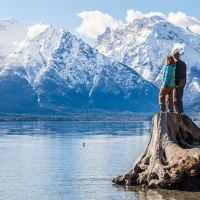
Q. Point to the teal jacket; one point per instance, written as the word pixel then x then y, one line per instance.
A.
pixel 169 76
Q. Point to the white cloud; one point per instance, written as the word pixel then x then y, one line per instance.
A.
pixel 195 28
pixel 182 20
pixel 132 15
pixel 95 22
pixel 151 14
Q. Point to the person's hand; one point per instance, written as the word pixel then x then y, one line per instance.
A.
pixel 177 86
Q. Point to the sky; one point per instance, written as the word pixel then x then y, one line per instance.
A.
pixel 77 15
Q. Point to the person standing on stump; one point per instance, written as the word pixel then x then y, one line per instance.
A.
pixel 180 81
pixel 168 85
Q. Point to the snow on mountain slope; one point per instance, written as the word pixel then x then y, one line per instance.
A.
pixel 55 72
pixel 144 43
pixel 11 33
pixel 81 78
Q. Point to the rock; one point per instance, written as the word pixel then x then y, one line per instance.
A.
pixel 172 157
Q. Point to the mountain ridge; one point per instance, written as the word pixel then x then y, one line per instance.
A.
pixel 51 71
pixel 143 45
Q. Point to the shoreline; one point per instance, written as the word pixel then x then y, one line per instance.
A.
pixel 98 117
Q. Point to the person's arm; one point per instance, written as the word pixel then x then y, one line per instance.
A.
pixel 167 75
pixel 163 74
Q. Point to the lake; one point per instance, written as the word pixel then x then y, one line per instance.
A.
pixel 73 161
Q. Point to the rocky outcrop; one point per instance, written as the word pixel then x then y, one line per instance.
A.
pixel 172 157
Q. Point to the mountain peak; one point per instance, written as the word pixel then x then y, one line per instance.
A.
pixel 11 33
pixel 8 20
pixel 144 43
pixel 53 70
pixel 37 29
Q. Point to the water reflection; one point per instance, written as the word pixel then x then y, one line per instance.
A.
pixel 67 128
pixel 160 194
pixel 47 160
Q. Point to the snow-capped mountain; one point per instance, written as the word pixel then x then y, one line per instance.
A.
pixel 11 33
pixel 194 106
pixel 49 70
pixel 143 45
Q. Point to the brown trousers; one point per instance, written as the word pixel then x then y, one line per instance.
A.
pixel 166 93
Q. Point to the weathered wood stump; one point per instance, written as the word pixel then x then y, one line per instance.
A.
pixel 172 157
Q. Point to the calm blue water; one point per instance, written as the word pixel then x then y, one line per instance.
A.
pixel 47 161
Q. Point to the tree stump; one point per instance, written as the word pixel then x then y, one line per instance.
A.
pixel 172 157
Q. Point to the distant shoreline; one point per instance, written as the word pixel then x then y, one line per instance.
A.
pixel 85 117
pixel 78 117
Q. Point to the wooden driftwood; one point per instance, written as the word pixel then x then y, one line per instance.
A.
pixel 172 157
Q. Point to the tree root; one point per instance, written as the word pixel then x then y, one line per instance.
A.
pixel 172 157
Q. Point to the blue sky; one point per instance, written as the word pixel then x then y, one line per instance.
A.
pixel 63 13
